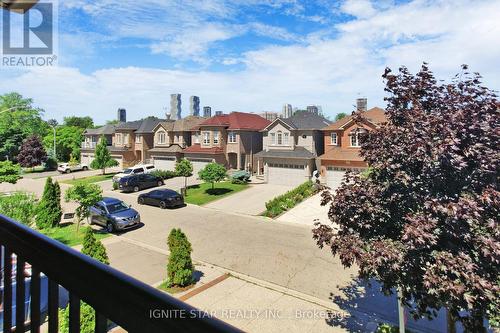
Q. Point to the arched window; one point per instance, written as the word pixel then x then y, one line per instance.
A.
pixel 162 137
pixel 280 138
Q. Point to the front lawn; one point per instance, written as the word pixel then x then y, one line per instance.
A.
pixel 203 193
pixel 67 234
pixel 90 179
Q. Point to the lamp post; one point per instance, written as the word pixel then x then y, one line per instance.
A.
pixel 53 123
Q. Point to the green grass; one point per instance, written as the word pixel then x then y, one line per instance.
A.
pixel 89 180
pixel 203 193
pixel 173 290
pixel 67 234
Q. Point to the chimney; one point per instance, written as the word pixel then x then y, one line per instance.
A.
pixel 361 104
pixel 122 115
pixel 219 113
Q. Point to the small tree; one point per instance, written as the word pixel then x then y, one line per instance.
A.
pixel 340 116
pixel 86 195
pixel 49 210
pixel 32 152
pixel 180 266
pixel 184 168
pixel 102 159
pixel 9 172
pixel 213 173
pixel 19 206
pixel 92 247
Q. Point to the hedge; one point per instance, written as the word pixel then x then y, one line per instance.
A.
pixel 288 200
pixel 164 174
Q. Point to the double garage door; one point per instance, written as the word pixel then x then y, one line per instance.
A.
pixel 164 163
pixel 334 177
pixel 198 164
pixel 286 174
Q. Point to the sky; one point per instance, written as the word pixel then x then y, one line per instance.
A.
pixel 251 55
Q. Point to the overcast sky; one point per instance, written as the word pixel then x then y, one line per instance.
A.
pixel 251 55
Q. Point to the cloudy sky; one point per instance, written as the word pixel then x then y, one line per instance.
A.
pixel 251 55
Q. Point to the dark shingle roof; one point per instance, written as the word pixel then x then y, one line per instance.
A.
pixel 148 125
pixel 129 125
pixel 103 130
pixel 298 152
pixel 306 120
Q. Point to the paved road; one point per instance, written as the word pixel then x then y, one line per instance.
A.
pixel 251 201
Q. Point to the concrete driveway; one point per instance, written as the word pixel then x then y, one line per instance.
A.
pixel 251 201
pixel 307 212
pixel 175 183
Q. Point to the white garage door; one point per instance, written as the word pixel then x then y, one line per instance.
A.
pixel 334 177
pixel 286 174
pixel 119 159
pixel 164 163
pixel 198 164
pixel 86 159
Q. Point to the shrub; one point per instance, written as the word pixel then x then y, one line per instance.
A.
pixel 180 266
pixel 164 174
pixel 19 206
pixel 9 172
pixel 50 163
pixel 289 200
pixel 242 176
pixel 238 181
pixel 93 247
pixel 87 319
pixel 49 210
pixel 115 186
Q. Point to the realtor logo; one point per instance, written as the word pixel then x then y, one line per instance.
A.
pixel 29 35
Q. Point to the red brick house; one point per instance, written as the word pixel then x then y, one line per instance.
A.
pixel 342 146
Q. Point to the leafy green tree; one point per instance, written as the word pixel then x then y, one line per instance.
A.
pixel 9 172
pixel 32 152
pixel 180 266
pixel 68 142
pixel 20 121
pixel 81 122
pixel 93 247
pixel 184 168
pixel 19 206
pixel 86 195
pixel 213 173
pixel 102 157
pixel 340 116
pixel 49 210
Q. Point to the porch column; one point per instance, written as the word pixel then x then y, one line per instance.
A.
pixel 238 162
pixel 258 167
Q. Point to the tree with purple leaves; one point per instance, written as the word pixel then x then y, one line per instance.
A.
pixel 424 217
pixel 32 152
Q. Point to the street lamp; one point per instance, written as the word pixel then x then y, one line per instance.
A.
pixel 53 123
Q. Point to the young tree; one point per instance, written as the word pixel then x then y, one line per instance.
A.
pixel 184 168
pixel 68 141
pixel 93 247
pixel 86 195
pixel 180 266
pixel 425 218
pixel 49 210
pixel 9 172
pixel 31 153
pixel 213 173
pixel 102 158
pixel 340 116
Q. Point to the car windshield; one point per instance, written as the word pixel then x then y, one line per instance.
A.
pixel 127 171
pixel 117 207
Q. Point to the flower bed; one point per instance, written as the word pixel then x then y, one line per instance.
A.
pixel 288 200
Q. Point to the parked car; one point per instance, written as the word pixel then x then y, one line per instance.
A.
pixel 114 215
pixel 138 169
pixel 67 168
pixel 139 182
pixel 163 198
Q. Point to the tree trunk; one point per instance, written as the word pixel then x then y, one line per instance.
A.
pixel 213 184
pixel 477 323
pixel 186 184
pixel 103 171
pixel 450 322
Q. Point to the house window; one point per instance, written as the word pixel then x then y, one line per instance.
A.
pixel 138 138
pixel 119 139
pixel 206 138
pixel 285 138
pixel 273 138
pixel 232 137
pixel 280 138
pixel 196 137
pixel 355 135
pixel 216 137
pixel 162 137
pixel 333 139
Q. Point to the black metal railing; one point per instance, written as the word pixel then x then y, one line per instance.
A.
pixel 114 295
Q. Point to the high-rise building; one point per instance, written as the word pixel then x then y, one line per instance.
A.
pixel 269 115
pixel 287 111
pixel 312 109
pixel 194 106
pixel 207 111
pixel 122 115
pixel 176 106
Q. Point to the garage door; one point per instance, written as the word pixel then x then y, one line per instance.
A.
pixel 164 163
pixel 334 177
pixel 119 159
pixel 286 174
pixel 198 164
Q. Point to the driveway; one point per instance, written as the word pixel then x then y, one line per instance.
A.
pixel 175 183
pixel 307 212
pixel 251 201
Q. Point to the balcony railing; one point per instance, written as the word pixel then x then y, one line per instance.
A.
pixel 89 145
pixel 114 295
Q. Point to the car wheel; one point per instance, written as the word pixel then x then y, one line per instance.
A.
pixel 160 183
pixel 163 205
pixel 68 171
pixel 85 168
pixel 110 227
pixel 140 201
pixel 136 188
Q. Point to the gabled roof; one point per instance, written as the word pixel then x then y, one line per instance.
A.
pixel 129 125
pixel 304 120
pixel 237 121
pixel 374 115
pixel 148 125
pixel 103 130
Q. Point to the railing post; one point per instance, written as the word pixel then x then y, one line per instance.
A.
pixel 7 296
pixel 74 313
pixel 35 300
pixel 20 294
pixel 53 307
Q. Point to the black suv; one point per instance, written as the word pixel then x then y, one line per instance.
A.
pixel 139 182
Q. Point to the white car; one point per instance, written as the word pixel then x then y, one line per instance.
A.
pixel 67 168
pixel 146 168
